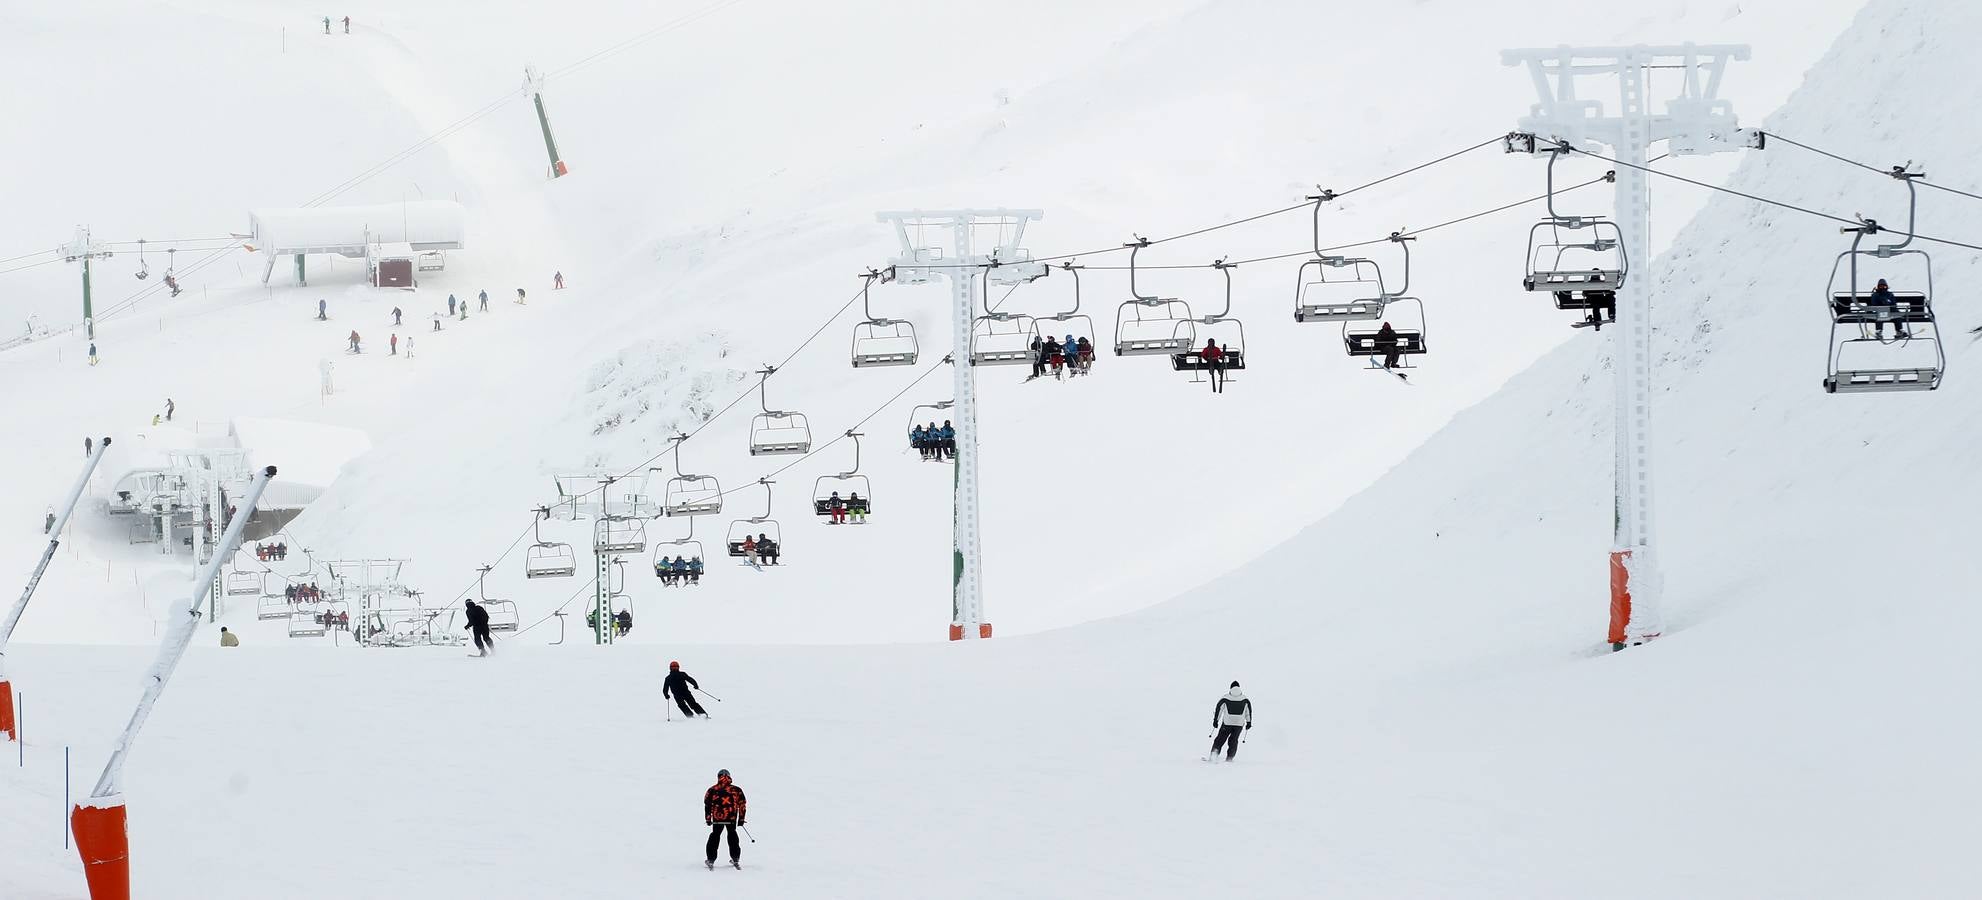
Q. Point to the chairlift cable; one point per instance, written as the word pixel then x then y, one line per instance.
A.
pixel 926 371
pixel 1867 166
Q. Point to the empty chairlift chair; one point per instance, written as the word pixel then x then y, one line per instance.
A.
pixel 616 535
pixel 776 432
pixel 276 607
pixel 690 495
pixel 1864 358
pixel 1337 288
pixel 239 583
pixel 1152 326
pixel 548 559
pixel 878 341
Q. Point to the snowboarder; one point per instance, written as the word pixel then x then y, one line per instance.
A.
pixel 723 807
pixel 1885 305
pixel 450 304
pixel 767 550
pixel 323 311
pixel 169 407
pixel 519 295
pixel 1214 361
pixel 478 624
pixel 1386 344
pixel 394 351
pixel 227 638
pixel 354 341
pixel 484 305
pixel 557 281
pixel 1232 717
pixel 395 317
pixel 678 686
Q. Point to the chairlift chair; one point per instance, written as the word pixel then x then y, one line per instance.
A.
pixel 690 495
pixel 616 535
pixel 547 559
pixel 239 583
pixel 144 268
pixel 1152 326
pixel 878 341
pixel 848 484
pixel 1579 260
pixel 1861 360
pixel 687 548
pixel 1070 322
pixel 306 624
pixel 754 525
pixel 1213 326
pixel 1001 339
pixel 276 607
pixel 776 432
pixel 1361 340
pixel 502 614
pixel 1343 288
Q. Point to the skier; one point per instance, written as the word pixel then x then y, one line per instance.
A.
pixel 478 623
pixel 323 311
pixel 484 306
pixel 347 24
pixel 394 351
pixel 92 353
pixel 557 281
pixel 1232 716
pixel 1386 344
pixel 1884 305
pixel 1214 360
pixel 354 341
pixel 836 507
pixel 723 807
pixel 436 321
pixel 519 295
pixel 172 284
pixel 48 521
pixel 326 24
pixel 1086 356
pixel 678 685
pixel 89 446
pixel 464 312
pixel 227 638
pixel 169 407
pixel 409 346
pixel 856 508
pixel 767 550
pixel 919 439
pixel 695 570
pixel 1055 357
pixel 1038 358
pixel 948 446
pixel 623 620
pixel 450 304
pixel 750 550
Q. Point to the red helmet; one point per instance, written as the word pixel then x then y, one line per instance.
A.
pixel 674 665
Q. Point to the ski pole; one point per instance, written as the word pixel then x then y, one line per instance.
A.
pixel 710 696
pixel 746 832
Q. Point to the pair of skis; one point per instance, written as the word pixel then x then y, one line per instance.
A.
pixel 734 864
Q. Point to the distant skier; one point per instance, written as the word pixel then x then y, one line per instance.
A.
pixel 749 549
pixel 464 312
pixel 354 341
pixel 450 304
pixel 679 686
pixel 1038 358
pixel 484 305
pixel 557 281
pixel 1233 716
pixel 323 311
pixel 478 624
pixel 723 807
pixel 48 521
pixel 89 446
pixel 169 407
pixel 767 550
pixel 409 346
pixel 347 24
pixel 394 351
pixel 326 24
pixel 227 638
pixel 519 295
pixel 436 321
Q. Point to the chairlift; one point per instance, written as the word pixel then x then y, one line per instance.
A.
pixel 1364 340
pixel 687 548
pixel 1342 288
pixel 1151 326
pixel 306 624
pixel 613 534
pixel 915 419
pixel 776 432
pixel 1071 322
pixel 547 559
pixel 239 582
pixel 882 342
pixel 1863 360
pixel 852 487
pixel 144 268
pixel 753 526
pixel 690 495
pixel 502 613
pixel 1000 338
pixel 1580 260
pixel 276 607
pixel 1013 266
pixel 1215 325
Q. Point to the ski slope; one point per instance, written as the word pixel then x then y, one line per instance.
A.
pixel 1436 714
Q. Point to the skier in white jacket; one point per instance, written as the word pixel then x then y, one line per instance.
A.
pixel 1232 716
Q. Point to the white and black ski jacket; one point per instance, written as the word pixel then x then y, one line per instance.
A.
pixel 1233 709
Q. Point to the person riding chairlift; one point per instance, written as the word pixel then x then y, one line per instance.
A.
pixel 767 550
pixel 1386 344
pixel 1886 305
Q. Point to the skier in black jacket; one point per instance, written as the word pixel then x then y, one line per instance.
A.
pixel 1232 716
pixel 677 686
pixel 478 622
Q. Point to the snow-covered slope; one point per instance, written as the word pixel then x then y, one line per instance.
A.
pixel 690 266
pixel 1437 717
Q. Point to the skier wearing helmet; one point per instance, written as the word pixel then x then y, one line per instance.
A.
pixel 678 686
pixel 1233 717
pixel 723 808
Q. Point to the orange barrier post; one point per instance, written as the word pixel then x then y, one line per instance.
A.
pixel 7 710
pixel 1620 597
pixel 104 844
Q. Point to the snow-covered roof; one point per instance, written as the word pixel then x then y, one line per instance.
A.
pixel 394 250
pixel 422 224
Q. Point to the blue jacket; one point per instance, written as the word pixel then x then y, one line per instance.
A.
pixel 917 435
pixel 695 565
pixel 948 433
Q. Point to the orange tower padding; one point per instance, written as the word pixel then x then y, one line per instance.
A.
pixel 956 632
pixel 984 629
pixel 105 847
pixel 1620 595
pixel 7 710
pixel 561 169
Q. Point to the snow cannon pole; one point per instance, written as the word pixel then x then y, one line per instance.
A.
pixel 13 619
pixel 535 86
pixel 98 822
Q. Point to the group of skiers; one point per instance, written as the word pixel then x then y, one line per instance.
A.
pixel 271 552
pixel 839 508
pixel 622 621
pixel 759 550
pixel 935 444
pixel 302 593
pixel 724 808
pixel 678 571
pixel 1071 356
pixel 326 24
